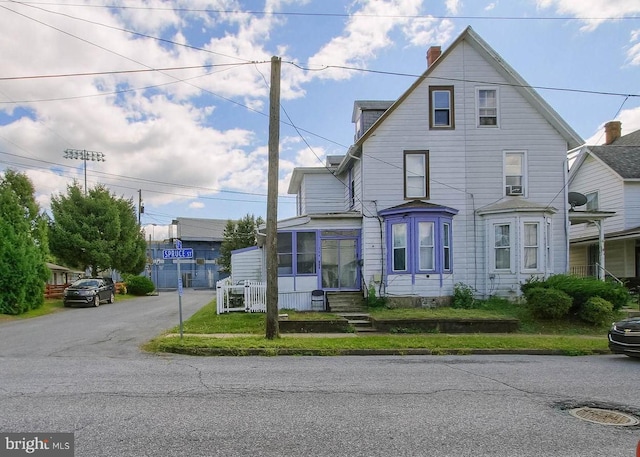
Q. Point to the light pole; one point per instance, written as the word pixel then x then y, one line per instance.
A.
pixel 84 155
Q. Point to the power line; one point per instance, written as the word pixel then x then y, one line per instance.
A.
pixel 330 15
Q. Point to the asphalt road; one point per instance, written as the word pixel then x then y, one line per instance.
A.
pixel 81 371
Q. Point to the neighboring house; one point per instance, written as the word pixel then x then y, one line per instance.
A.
pixel 62 275
pixel 460 180
pixel 205 237
pixel 609 177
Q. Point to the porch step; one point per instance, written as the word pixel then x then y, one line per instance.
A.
pixel 346 302
pixel 359 321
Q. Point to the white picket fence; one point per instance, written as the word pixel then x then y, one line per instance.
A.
pixel 250 297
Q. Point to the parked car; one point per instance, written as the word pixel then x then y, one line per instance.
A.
pixel 90 291
pixel 624 337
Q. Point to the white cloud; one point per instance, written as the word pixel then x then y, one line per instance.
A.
pixel 453 6
pixel 427 31
pixel 633 53
pixel 630 119
pixel 491 6
pixel 365 34
pixel 595 12
pixel 196 205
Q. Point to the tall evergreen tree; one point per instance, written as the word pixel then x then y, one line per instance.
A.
pixel 97 231
pixel 238 235
pixel 23 271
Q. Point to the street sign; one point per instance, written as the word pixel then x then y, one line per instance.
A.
pixel 178 244
pixel 177 253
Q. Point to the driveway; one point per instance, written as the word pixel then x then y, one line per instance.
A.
pixel 112 330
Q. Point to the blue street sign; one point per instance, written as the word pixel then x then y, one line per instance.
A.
pixel 178 244
pixel 177 253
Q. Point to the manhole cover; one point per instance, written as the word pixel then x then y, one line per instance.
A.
pixel 604 416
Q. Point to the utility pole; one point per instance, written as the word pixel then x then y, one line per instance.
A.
pixel 84 155
pixel 140 205
pixel 272 201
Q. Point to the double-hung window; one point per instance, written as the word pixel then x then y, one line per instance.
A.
pixel 531 245
pixel 416 174
pixel 426 247
pixel 399 247
pixel 441 112
pixel 487 107
pixel 285 253
pixel 592 201
pixel 515 178
pixel 502 246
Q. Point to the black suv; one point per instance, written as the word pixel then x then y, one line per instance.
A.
pixel 90 291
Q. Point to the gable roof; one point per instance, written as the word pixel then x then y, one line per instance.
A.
pixel 624 160
pixel 630 139
pixel 511 76
pixel 622 156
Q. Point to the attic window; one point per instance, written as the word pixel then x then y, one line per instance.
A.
pixel 441 113
pixel 487 103
pixel 592 201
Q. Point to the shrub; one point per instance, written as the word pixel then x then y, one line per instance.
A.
pixel 139 285
pixel 462 296
pixel 582 289
pixel 548 303
pixel 597 311
pixel 373 301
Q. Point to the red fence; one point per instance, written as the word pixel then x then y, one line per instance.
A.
pixel 57 290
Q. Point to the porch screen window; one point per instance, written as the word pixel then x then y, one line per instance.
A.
pixel 531 246
pixel 487 107
pixel 399 236
pixel 285 253
pixel 416 176
pixel 425 235
pixel 502 246
pixel 306 253
pixel 441 107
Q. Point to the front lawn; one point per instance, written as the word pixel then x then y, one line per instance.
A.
pixel 569 338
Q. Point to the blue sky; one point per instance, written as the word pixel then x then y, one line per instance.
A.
pixel 193 138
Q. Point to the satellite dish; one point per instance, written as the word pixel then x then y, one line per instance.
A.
pixel 576 199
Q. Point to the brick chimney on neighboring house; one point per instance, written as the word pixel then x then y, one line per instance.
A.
pixel 612 131
pixel 432 55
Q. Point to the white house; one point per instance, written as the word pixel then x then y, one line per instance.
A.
pixel 609 177
pixel 461 180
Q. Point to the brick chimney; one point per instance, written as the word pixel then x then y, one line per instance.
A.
pixel 432 55
pixel 612 131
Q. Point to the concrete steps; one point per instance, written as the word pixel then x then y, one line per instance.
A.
pixel 360 322
pixel 346 302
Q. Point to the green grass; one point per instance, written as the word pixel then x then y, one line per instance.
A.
pixel 50 306
pixel 568 338
pixel 437 344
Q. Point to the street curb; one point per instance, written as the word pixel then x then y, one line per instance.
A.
pixel 367 352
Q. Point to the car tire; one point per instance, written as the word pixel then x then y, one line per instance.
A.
pixel 112 298
pixel 66 305
pixel 96 301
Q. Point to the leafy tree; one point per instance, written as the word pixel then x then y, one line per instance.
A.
pixel 238 235
pixel 23 271
pixel 96 230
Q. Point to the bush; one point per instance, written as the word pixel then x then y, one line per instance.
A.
pixel 373 301
pixel 582 289
pixel 139 285
pixel 597 311
pixel 462 296
pixel 548 303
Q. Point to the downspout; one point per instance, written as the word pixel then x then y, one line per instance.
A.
pixel 567 223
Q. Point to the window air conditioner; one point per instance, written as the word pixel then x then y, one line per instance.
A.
pixel 515 190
